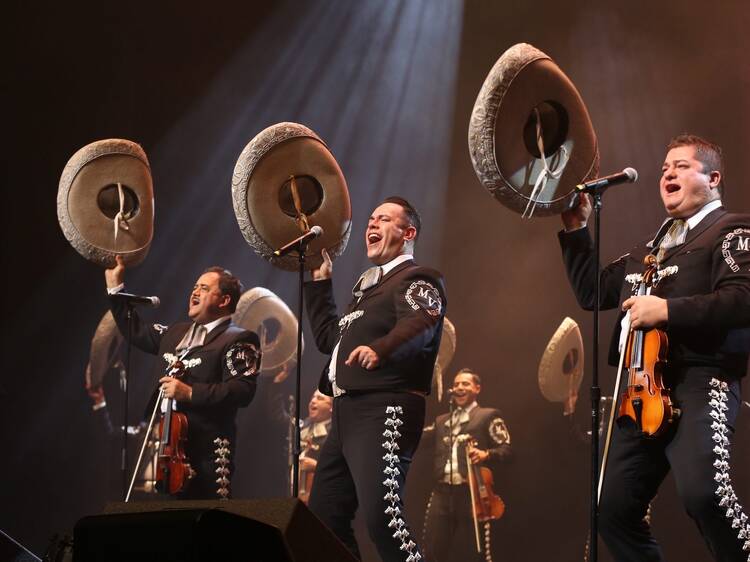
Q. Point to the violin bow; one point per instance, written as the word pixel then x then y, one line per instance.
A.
pixel 470 473
pixel 149 429
pixel 610 425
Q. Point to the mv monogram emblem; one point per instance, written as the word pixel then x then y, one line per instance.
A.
pixel 421 294
pixel 736 241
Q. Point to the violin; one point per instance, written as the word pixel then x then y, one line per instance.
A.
pixel 646 401
pixel 306 476
pixel 173 470
pixel 486 504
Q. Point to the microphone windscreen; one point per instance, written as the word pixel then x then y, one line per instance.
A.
pixel 317 230
pixel 155 302
pixel 632 174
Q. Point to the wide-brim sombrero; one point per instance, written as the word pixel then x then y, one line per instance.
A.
pixel 105 202
pixel 527 103
pixel 281 158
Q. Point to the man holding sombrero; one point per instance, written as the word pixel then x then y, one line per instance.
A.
pixel 704 307
pixel 221 363
pixel 383 352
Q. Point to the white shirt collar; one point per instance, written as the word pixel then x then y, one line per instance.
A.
pixel 699 216
pixel 469 408
pixel 211 325
pixel 387 267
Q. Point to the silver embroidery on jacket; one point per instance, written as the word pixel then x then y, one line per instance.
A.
pixel 171 359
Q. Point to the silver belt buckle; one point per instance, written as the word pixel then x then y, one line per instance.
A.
pixel 337 390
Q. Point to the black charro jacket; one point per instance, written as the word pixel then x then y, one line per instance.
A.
pixel 222 372
pixel 485 425
pixel 400 318
pixel 708 298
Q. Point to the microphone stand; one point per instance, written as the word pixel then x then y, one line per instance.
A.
pixel 296 449
pixel 595 389
pixel 451 444
pixel 125 388
pixel 290 442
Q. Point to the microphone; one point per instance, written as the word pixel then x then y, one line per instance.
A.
pixel 628 175
pixel 137 300
pixel 298 243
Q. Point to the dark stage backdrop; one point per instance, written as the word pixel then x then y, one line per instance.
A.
pixel 390 86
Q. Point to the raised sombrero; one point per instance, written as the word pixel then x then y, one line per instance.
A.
pixel 285 181
pixel 105 202
pixel 531 140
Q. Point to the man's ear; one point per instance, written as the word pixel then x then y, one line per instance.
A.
pixel 714 179
pixel 225 300
pixel 410 233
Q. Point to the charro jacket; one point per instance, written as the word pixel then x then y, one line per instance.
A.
pixel 400 318
pixel 708 297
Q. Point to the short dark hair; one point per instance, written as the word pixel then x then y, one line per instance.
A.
pixel 411 213
pixel 706 152
pixel 228 285
pixel 468 371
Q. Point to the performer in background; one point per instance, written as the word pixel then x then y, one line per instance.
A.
pixel 222 362
pixel 703 308
pixel 383 351
pixel 315 429
pixel 449 533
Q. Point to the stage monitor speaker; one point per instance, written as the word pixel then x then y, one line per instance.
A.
pixel 263 530
pixel 13 551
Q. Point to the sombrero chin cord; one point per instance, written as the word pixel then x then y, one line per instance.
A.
pixel 301 218
pixel 120 216
pixel 546 173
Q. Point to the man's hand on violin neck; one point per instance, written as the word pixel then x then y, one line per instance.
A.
pixel 647 312
pixel 174 388
pixel 477 456
pixel 308 464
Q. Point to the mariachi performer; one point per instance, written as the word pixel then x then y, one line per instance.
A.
pixel 221 362
pixel 468 437
pixel 702 304
pixel 105 208
pixel 383 352
pixel 383 349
